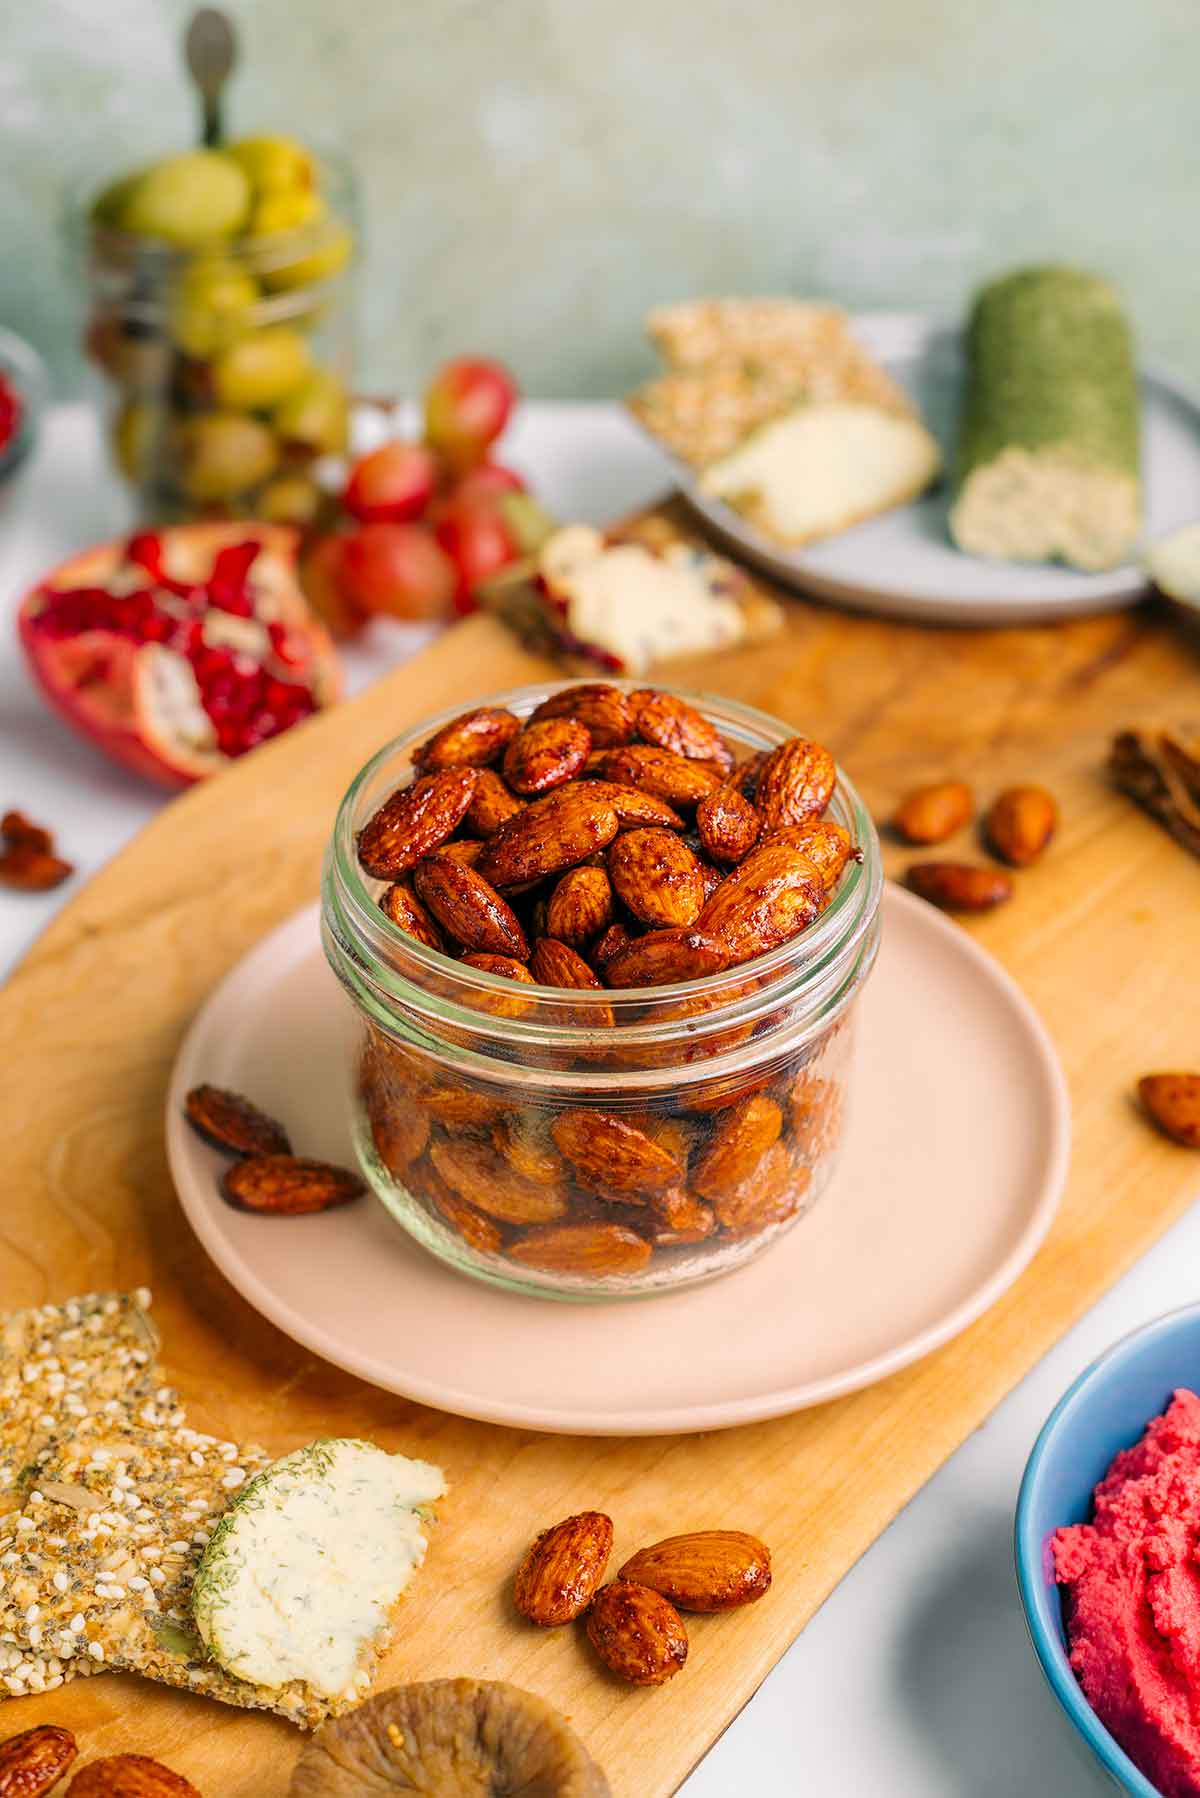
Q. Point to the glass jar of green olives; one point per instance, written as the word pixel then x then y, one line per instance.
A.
pixel 218 286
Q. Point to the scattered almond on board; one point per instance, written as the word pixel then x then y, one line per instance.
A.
pixel 1173 1101
pixel 266 1177
pixel 1017 828
pixel 633 1622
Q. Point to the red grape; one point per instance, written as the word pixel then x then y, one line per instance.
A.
pixel 392 484
pixel 478 542
pixel 398 569
pixel 467 405
pixel 322 576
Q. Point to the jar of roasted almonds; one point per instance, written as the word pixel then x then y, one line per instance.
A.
pixel 603 944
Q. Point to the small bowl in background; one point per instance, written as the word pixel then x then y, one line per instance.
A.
pixel 25 371
pixel 1106 1410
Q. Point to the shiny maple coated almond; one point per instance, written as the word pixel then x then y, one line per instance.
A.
pixel 18 829
pixel 129 1776
pixel 468 908
pixel 796 782
pixel 479 1232
pixel 546 755
pixel 637 1633
pixel 33 1762
pixel 769 1195
pixel 228 1121
pixel 414 820
pixel 399 1130
pixel 28 869
pixel 593 1251
pixel 557 964
pixel 635 808
pixel 932 813
pixel 960 886
pixel 288 1185
pixel 1020 824
pixel 485 1180
pixel 704 1570
pixel 493 805
pixel 768 899
pixel 823 842
pixel 657 877
pixel 466 851
pixel 664 957
pixel 616 938
pixel 603 709
pixel 527 1148
pixel 728 824
pixel 814 1114
pixel 402 906
pixel 470 741
pixel 681 1217
pixel 661 773
pixel 741 1137
pixel 611 1152
pixel 551 835
pixel 1173 1101
pixel 580 907
pixel 671 723
pixel 506 966
pixel 562 1567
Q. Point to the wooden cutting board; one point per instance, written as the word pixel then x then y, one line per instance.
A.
pixel 1104 937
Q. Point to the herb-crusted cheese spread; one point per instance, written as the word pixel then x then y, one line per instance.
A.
pixel 300 1577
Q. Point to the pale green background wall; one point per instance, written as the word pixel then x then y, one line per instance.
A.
pixel 538 172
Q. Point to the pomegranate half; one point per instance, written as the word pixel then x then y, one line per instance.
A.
pixel 176 651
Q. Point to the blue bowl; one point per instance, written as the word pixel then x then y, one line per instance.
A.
pixel 1107 1409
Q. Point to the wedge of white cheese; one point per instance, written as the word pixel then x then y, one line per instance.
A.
pixel 302 1573
pixel 823 467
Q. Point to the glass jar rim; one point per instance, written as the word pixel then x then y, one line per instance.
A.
pixel 383 967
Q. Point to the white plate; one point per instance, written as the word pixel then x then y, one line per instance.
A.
pixel 904 565
pixel 955 1160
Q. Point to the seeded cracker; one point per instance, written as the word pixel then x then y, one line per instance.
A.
pixel 97 1569
pixel 59 1363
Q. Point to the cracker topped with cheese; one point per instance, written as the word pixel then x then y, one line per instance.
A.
pixel 784 415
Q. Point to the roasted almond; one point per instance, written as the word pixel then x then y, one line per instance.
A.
pixel 796 782
pixel 288 1185
pixel 637 1633
pixel 596 1250
pixel 546 755
pixel 741 1137
pixel 635 809
pixel 402 906
pixel 602 709
pixel 728 824
pixel 580 907
pixel 1173 1101
pixel 662 957
pixel 485 1180
pixel 960 886
pixel 705 1570
pixel 931 814
pixel 527 1149
pixel 823 842
pixel 768 1195
pixel 32 1763
pixel 616 938
pixel 399 1130
pixel 557 964
pixel 660 772
pixel 657 877
pixel 668 721
pixel 129 1776
pixel 28 869
pixel 768 899
pixel 228 1121
pixel 557 1579
pixel 549 836
pixel 746 773
pixel 681 1218
pixel 612 1153
pixel 1020 824
pixel 814 1114
pixel 492 806
pixel 16 828
pixel 471 741
pixel 466 906
pixel 413 821
pixel 460 1106
pixel 466 851
pixel 506 966
pixel 477 1231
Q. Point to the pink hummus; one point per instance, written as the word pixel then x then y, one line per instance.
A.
pixel 1132 1579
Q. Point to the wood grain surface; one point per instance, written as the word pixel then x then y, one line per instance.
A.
pixel 1104 936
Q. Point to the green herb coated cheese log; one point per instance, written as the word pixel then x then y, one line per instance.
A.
pixel 1048 465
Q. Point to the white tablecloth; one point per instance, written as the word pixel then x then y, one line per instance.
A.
pixel 915 1680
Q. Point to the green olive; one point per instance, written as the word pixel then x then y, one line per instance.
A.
pixel 189 200
pixel 135 433
pixel 291 499
pixel 316 417
pixel 212 305
pixel 274 164
pixel 262 369
pixel 223 454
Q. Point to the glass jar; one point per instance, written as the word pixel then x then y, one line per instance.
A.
pixel 590 1144
pixel 223 374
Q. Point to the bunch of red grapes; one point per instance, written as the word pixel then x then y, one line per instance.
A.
pixel 426 523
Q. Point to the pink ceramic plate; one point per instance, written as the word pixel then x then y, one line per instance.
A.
pixel 955 1160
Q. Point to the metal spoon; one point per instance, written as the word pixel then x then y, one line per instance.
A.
pixel 210 48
